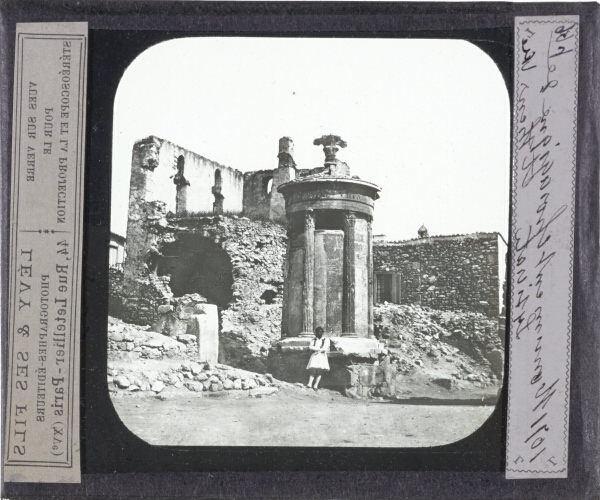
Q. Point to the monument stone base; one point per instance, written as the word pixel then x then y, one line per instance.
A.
pixel 288 358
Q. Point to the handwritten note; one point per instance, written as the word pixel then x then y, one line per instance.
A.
pixel 543 194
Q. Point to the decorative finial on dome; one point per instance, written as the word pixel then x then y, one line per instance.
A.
pixel 331 145
pixel 423 233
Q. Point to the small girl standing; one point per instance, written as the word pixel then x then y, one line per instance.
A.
pixel 318 363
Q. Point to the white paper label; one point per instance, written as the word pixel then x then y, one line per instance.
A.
pixel 543 195
pixel 42 414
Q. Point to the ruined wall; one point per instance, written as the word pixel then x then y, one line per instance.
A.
pixel 160 169
pixel 251 318
pixel 281 175
pixel 257 198
pixel 446 272
pixel 115 292
pixel 166 178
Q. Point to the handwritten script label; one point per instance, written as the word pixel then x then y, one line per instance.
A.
pixel 42 399
pixel 543 195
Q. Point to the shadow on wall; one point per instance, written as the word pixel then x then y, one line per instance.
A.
pixel 198 265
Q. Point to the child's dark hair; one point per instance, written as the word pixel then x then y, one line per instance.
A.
pixel 319 331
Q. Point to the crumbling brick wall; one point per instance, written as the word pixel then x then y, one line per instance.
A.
pixel 446 272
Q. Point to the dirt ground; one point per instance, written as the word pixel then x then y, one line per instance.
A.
pixel 293 416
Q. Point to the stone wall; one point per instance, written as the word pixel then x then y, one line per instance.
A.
pixel 257 198
pixel 447 272
pixel 262 200
pixel 186 182
pixel 160 170
pixel 115 292
pixel 251 320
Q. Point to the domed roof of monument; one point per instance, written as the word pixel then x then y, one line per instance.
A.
pixel 334 174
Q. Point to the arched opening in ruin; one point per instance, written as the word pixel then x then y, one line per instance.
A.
pixel 217 193
pixel 182 184
pixel 198 265
pixel 269 185
pixel 269 296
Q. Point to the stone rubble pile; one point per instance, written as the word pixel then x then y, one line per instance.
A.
pixel 418 335
pixel 127 341
pixel 193 376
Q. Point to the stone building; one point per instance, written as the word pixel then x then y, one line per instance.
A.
pixel 460 272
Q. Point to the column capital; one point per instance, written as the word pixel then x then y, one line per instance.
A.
pixel 309 219
pixel 349 218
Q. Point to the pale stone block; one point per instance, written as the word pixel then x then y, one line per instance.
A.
pixel 206 329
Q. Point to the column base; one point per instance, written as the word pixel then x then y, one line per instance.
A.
pixel 352 346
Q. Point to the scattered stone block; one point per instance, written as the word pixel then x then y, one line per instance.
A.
pixel 259 392
pixel 158 386
pixel 446 383
pixel 164 309
pixel 155 342
pixel 194 386
pixel 216 386
pixel 122 382
pixel 196 369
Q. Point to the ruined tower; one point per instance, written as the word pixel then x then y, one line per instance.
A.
pixel 285 172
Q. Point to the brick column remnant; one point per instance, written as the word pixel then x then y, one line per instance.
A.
pixel 285 172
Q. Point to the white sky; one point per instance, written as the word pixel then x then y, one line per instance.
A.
pixel 427 120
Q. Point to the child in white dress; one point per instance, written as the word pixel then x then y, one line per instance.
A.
pixel 318 363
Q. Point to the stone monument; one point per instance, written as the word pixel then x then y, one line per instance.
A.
pixel 328 277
